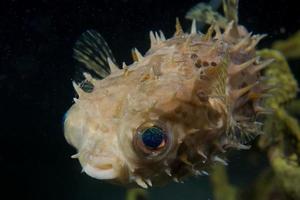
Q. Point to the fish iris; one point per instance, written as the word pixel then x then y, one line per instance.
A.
pixel 153 137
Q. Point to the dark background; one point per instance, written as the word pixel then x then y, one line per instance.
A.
pixel 36 69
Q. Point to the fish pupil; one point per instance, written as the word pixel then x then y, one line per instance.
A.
pixel 153 137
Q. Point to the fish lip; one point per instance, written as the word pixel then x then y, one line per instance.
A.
pixel 98 173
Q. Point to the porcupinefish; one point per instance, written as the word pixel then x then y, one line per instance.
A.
pixel 173 112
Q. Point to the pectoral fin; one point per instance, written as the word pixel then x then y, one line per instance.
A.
pixel 93 51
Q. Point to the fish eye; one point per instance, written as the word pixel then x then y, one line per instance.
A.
pixel 151 139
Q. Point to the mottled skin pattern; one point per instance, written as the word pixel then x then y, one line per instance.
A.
pixel 205 90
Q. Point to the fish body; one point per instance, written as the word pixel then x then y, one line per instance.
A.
pixel 172 113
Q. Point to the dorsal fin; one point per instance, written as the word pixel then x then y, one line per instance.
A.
pixel 92 50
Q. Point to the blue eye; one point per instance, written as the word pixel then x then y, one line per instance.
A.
pixel 152 140
pixel 64 118
pixel 153 137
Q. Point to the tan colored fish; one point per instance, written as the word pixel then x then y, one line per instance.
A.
pixel 170 114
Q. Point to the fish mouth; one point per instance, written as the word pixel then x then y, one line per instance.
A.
pixel 105 171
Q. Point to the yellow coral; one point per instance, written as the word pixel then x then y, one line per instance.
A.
pixel 290 47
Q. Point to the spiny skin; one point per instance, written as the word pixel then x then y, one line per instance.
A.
pixel 205 90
